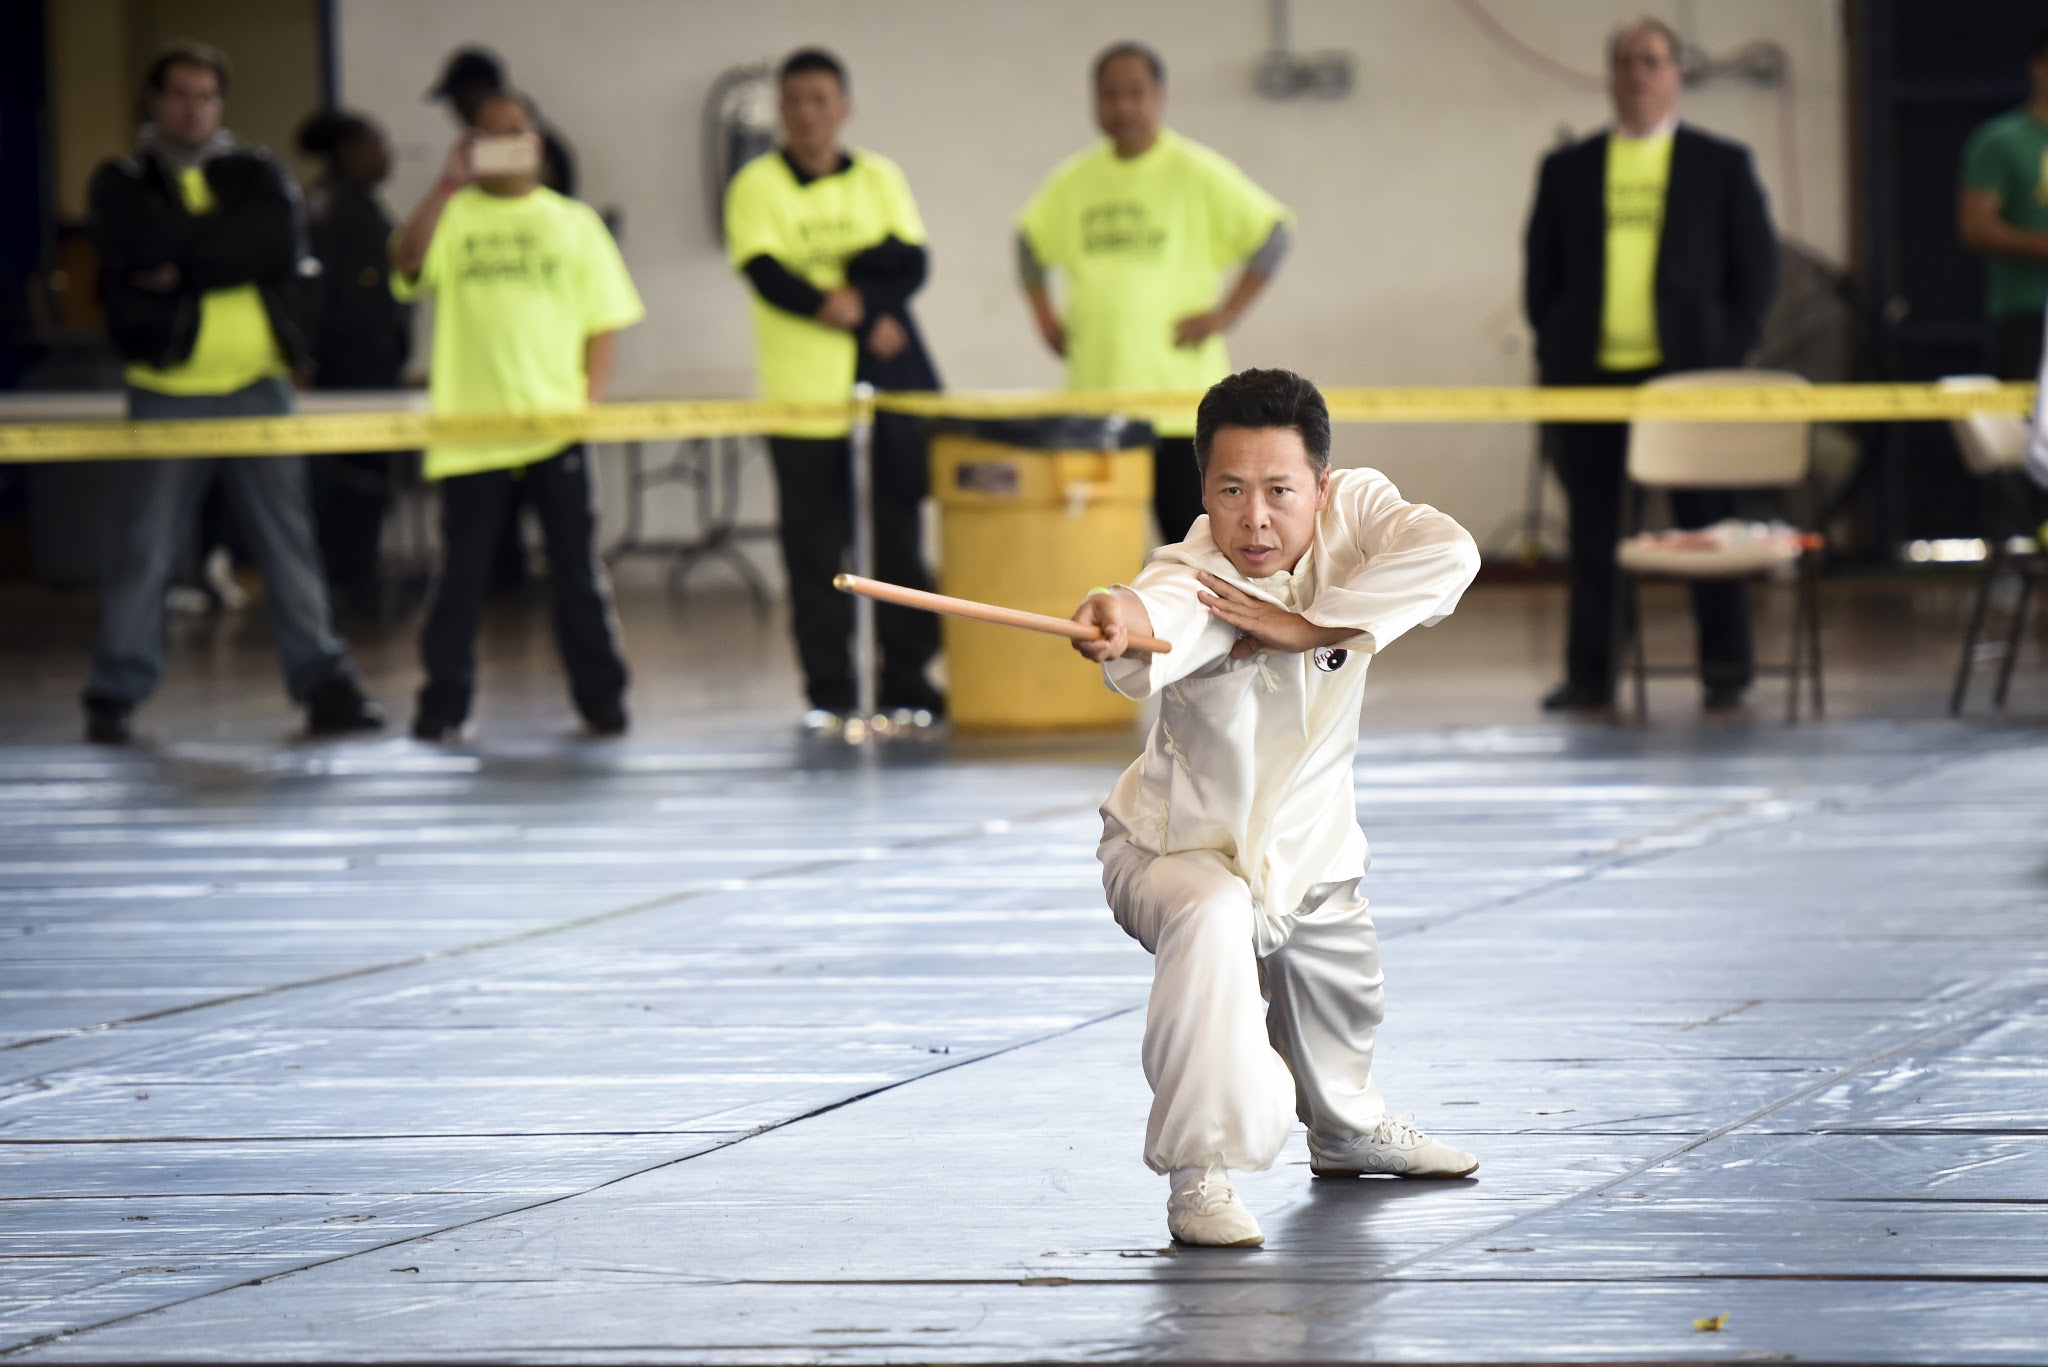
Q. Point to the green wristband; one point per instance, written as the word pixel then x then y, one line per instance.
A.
pixel 1099 588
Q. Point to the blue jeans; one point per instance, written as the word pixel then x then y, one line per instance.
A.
pixel 148 510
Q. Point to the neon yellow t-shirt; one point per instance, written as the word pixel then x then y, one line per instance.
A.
pixel 235 347
pixel 813 230
pixel 1638 173
pixel 519 285
pixel 1143 243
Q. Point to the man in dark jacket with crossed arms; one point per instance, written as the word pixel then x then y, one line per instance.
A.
pixel 201 243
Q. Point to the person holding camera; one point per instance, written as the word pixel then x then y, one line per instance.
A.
pixel 530 292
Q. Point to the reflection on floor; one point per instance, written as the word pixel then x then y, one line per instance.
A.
pixel 708 1045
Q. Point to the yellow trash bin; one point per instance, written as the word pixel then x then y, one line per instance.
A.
pixel 1032 514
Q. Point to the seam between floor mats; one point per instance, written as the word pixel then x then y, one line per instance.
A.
pixel 1957 1029
pixel 45 1340
pixel 687 893
pixel 1951 1032
pixel 1383 1282
pixel 1621 854
pixel 1612 860
pixel 1631 851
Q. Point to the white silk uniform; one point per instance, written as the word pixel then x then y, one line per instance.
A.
pixel 1231 849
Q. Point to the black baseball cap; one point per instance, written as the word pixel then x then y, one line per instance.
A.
pixel 469 66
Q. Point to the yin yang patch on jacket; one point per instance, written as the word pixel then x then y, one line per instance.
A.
pixel 1329 659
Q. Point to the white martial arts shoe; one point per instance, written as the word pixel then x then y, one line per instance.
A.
pixel 823 721
pixel 1393 1147
pixel 1204 1209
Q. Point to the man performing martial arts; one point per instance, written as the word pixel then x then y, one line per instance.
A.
pixel 1231 849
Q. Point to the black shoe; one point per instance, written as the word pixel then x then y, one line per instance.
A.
pixel 1725 697
pixel 605 722
pixel 437 728
pixel 336 707
pixel 913 695
pixel 1574 697
pixel 832 697
pixel 106 722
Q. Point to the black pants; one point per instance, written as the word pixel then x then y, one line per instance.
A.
pixel 1176 487
pixel 351 494
pixel 2016 346
pixel 509 570
pixel 2014 505
pixel 472 520
pixel 1590 460
pixel 814 495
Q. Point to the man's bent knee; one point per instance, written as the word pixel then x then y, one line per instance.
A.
pixel 1179 895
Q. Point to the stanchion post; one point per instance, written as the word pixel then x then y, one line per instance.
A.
pixel 862 441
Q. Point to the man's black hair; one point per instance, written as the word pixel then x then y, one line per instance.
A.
pixel 466 67
pixel 185 52
pixel 814 59
pixel 1127 49
pixel 2039 50
pixel 1265 398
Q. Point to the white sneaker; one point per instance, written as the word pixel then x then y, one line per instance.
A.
pixel 822 721
pixel 218 575
pixel 1393 1146
pixel 1204 1209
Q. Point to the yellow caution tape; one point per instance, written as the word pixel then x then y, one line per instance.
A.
pixel 1734 403
pixel 323 433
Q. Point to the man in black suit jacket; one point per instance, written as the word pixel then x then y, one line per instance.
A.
pixel 1649 250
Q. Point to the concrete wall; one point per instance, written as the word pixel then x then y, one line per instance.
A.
pixel 1411 192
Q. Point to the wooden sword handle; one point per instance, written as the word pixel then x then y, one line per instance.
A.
pixel 984 612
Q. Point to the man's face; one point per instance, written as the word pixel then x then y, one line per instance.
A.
pixel 1129 103
pixel 814 109
pixel 2037 75
pixel 366 159
pixel 1263 497
pixel 1643 78
pixel 187 111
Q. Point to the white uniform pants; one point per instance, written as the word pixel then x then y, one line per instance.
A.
pixel 1237 1046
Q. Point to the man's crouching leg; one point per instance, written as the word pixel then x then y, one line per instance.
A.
pixel 1327 1001
pixel 1221 1098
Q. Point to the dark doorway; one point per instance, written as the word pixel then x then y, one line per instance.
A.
pixel 1925 76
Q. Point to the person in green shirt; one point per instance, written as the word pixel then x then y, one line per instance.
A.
pixel 2003 217
pixel 1141 226
pixel 530 292
pixel 831 244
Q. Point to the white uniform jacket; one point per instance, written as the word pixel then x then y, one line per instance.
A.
pixel 2037 443
pixel 1253 758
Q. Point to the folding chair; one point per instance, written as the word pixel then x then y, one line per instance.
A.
pixel 1994 448
pixel 1669 454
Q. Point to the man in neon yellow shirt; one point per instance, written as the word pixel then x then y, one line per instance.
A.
pixel 1142 225
pixel 1649 250
pixel 201 249
pixel 529 292
pixel 831 243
